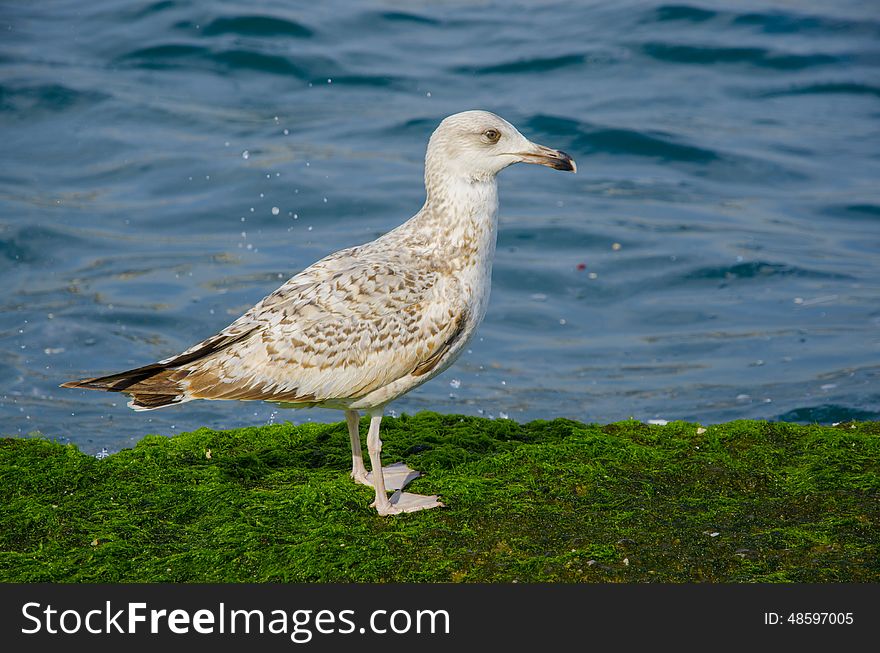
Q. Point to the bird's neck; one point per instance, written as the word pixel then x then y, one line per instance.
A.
pixel 460 213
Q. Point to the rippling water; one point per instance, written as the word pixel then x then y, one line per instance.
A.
pixel 167 164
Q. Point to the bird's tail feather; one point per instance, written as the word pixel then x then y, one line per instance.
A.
pixel 160 384
pixel 151 386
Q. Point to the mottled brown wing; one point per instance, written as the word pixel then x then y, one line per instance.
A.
pixel 341 329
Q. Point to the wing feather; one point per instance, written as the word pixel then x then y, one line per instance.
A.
pixel 346 326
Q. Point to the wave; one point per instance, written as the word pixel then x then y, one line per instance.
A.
pixel 553 238
pixel 769 22
pixel 267 63
pixel 25 100
pixel 758 57
pixel 407 17
pixel 621 141
pixel 310 69
pixel 33 244
pixel 681 12
pixel 256 26
pixel 174 55
pixel 790 23
pixel 12 250
pixel 855 211
pixel 824 88
pixel 578 138
pixel 828 414
pixel 155 8
pixel 535 64
pixel 758 269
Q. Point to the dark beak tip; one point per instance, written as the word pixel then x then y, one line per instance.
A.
pixel 545 156
pixel 566 163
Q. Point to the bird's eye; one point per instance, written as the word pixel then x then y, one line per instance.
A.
pixel 492 135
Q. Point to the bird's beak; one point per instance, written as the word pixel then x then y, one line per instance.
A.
pixel 556 159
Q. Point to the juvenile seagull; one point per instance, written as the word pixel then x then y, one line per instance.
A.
pixel 363 326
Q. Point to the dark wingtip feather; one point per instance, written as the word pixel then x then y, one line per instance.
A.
pixel 82 383
pixel 118 382
pixel 149 378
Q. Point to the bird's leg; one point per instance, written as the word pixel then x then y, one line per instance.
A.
pixel 358 471
pixel 374 446
pixel 399 501
pixel 397 476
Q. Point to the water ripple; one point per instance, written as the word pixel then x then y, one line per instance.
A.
pixel 681 12
pixel 757 270
pixel 34 244
pixel 176 55
pixel 585 137
pixel 520 66
pixel 758 57
pixel 824 88
pixel 256 26
pixel 156 8
pixel 25 100
pixel 767 22
pixel 779 22
pixel 828 414
pixel 407 17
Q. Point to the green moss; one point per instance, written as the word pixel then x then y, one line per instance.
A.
pixel 545 501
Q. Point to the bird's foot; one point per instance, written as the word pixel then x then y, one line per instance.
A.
pixel 361 476
pixel 397 476
pixel 407 502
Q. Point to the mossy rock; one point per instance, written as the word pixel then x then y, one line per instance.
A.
pixel 544 501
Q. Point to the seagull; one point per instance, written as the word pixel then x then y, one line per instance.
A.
pixel 365 325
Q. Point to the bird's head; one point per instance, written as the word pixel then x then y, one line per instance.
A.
pixel 477 145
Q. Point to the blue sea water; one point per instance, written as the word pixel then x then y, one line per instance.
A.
pixel 166 164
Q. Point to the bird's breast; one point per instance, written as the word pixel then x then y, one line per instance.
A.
pixel 465 259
